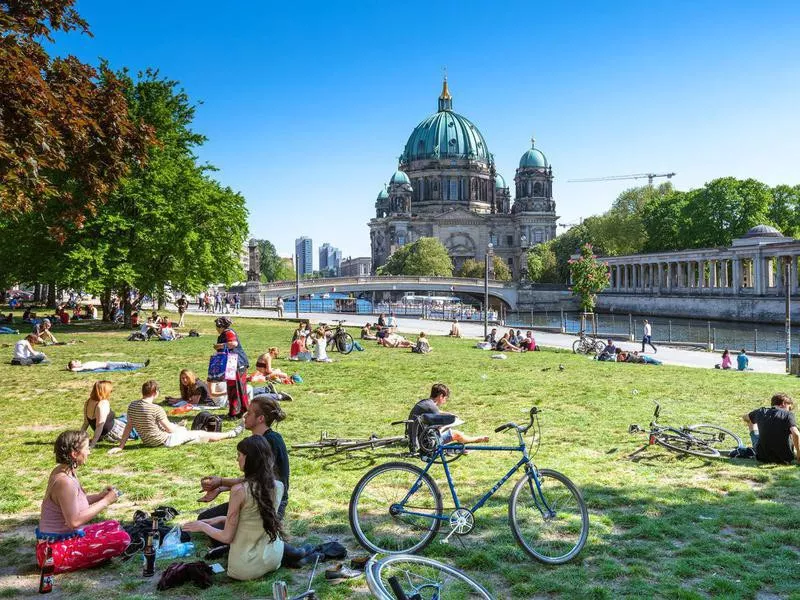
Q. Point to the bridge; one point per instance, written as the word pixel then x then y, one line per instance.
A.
pixel 261 294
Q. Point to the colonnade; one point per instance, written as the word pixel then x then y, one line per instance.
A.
pixel 757 273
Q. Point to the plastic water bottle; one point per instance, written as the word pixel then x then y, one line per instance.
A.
pixel 176 551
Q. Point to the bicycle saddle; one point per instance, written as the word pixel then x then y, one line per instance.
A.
pixel 437 420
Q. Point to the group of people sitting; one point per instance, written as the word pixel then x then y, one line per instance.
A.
pixel 742 361
pixel 511 341
pixel 156 326
pixel 613 353
pixel 308 345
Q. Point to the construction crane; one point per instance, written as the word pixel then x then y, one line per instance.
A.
pixel 648 176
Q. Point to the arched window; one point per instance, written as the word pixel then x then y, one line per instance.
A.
pixel 537 189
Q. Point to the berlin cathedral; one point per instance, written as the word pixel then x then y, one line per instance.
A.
pixel 446 186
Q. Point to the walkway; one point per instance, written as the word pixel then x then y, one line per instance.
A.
pixel 668 354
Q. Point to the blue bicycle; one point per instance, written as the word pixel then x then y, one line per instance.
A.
pixel 397 507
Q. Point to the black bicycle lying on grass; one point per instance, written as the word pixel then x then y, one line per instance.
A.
pixel 698 440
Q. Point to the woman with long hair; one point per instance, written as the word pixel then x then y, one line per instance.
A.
pixel 228 341
pixel 193 390
pixel 252 526
pixel 98 414
pixel 67 508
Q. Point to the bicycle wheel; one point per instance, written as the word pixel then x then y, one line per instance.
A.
pixel 380 505
pixel 715 436
pixel 598 347
pixel 419 575
pixel 677 441
pixel 552 526
pixel 577 347
pixel 344 342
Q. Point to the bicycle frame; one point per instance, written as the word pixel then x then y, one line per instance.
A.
pixel 441 454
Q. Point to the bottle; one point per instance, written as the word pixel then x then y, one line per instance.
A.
pixel 177 551
pixel 156 534
pixel 48 570
pixel 149 557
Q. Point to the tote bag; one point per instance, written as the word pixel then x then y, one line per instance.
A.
pixel 217 366
pixel 231 366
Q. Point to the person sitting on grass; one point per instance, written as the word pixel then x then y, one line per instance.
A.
pixel 44 333
pixel 743 361
pixel 98 414
pixel 28 316
pixel 25 355
pixel 726 363
pixel 67 508
pixel 192 390
pixel 366 333
pixel 529 342
pixel 430 406
pixel 774 432
pixel 609 353
pixel 264 369
pixel 455 329
pixel 491 337
pixel 422 346
pixel 154 429
pixel 512 337
pixel 301 331
pixel 258 420
pixel 167 333
pixel 298 350
pixel 504 344
pixel 643 359
pixel 77 366
pixel 394 340
pixel 319 350
pixel 7 320
pixel 252 526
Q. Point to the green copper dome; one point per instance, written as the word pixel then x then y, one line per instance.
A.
pixel 499 182
pixel 383 195
pixel 400 177
pixel 446 134
pixel 533 158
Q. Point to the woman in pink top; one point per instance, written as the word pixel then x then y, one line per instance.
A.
pixel 67 508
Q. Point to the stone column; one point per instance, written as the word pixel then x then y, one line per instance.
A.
pixel 712 273
pixel 779 275
pixel 793 271
pixel 736 284
pixel 758 274
pixel 658 276
pixel 691 268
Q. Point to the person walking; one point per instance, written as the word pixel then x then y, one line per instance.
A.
pixel 279 306
pixel 647 336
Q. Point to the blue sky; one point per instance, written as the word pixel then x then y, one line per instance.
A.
pixel 308 105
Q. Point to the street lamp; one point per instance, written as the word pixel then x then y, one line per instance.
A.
pixel 487 260
pixel 297 287
pixel 523 266
pixel 787 284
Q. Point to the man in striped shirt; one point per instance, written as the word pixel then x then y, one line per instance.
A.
pixel 154 429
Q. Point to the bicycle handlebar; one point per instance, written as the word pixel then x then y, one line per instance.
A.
pixel 519 428
pixel 504 427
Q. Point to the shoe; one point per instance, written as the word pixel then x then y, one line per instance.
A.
pixel 136 546
pixel 284 397
pixel 147 362
pixel 359 562
pixel 339 573
pixel 309 559
pixel 217 552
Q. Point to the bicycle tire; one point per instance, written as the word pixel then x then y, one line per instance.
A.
pixel 424 576
pixel 380 489
pixel 344 342
pixel 570 521
pixel 577 347
pixel 598 347
pixel 677 441
pixel 716 435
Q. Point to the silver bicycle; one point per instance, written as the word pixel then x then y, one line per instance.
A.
pixel 411 577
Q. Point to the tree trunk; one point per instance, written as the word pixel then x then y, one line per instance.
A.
pixel 51 295
pixel 126 305
pixel 37 292
pixel 105 302
pixel 162 299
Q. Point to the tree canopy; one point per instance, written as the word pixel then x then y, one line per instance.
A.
pixel 475 269
pixel 426 256
pixel 273 267
pixel 67 137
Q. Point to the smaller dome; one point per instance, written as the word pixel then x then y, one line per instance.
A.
pixel 400 177
pixel 499 182
pixel 383 195
pixel 762 231
pixel 533 158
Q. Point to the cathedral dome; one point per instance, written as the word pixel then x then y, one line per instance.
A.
pixel 499 182
pixel 533 158
pixel 383 195
pixel 400 177
pixel 446 134
pixel 762 231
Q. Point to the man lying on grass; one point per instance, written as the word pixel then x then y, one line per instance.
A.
pixel 154 429
pixel 77 366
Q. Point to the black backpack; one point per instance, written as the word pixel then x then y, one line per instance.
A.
pixel 205 421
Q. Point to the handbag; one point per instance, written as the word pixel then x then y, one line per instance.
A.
pixel 217 365
pixel 231 366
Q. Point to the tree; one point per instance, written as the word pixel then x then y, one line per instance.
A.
pixel 273 267
pixel 66 137
pixel 589 276
pixel 664 222
pixel 168 222
pixel 425 257
pixel 784 211
pixel 542 264
pixel 475 269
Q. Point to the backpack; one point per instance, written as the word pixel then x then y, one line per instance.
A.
pixel 137 336
pixel 205 421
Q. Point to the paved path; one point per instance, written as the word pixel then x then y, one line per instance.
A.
pixel 688 357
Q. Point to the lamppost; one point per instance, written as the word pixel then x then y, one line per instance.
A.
pixel 487 261
pixel 523 259
pixel 787 284
pixel 296 287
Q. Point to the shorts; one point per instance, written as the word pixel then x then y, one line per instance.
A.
pixel 180 437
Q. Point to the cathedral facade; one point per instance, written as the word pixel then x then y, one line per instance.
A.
pixel 446 186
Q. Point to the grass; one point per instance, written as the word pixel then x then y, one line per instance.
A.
pixel 662 525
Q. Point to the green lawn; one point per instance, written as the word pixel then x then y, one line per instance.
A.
pixel 662 525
